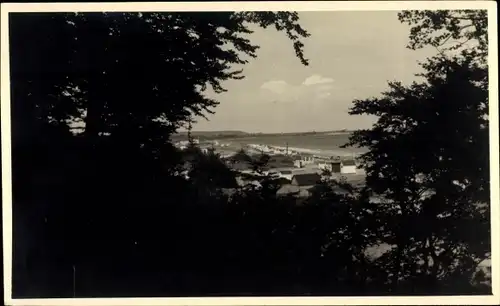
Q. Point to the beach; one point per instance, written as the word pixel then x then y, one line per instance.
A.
pixel 320 144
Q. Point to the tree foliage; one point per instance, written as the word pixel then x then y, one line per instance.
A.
pixel 428 158
pixel 95 99
pixel 448 30
pixel 145 71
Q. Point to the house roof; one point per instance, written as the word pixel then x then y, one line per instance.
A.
pixel 288 189
pixel 306 179
pixel 280 157
pixel 349 162
pixel 282 181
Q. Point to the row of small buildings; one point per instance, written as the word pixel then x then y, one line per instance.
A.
pixel 333 165
pixel 294 180
pixel 347 166
pixel 337 166
pixel 300 185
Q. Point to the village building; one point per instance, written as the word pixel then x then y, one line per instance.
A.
pixel 280 160
pixel 323 165
pixel 304 160
pixel 336 166
pixel 281 181
pixel 288 189
pixel 301 184
pixel 306 179
pixel 332 166
pixel 286 174
pixel 305 182
pixel 298 163
pixel 348 167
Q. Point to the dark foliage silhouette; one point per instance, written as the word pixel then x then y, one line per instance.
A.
pixel 436 183
pixel 105 205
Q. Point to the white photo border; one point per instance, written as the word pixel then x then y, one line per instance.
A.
pixel 490 6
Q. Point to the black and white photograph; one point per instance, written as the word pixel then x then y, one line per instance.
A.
pixel 246 153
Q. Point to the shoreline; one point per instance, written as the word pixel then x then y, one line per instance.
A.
pixel 276 150
pixel 232 148
pixel 319 152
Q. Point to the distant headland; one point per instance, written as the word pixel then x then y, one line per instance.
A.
pixel 236 133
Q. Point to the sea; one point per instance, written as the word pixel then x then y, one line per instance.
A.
pixel 320 144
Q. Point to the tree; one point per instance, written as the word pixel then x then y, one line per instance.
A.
pixel 108 62
pixel 449 30
pixel 208 172
pixel 95 99
pixel 241 156
pixel 438 175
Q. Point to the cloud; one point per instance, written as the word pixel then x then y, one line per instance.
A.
pixel 316 79
pixel 313 89
pixel 276 86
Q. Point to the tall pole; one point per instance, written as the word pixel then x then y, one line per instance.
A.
pixel 190 139
pixel 74 281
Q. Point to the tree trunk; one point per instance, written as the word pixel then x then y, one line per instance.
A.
pixel 396 267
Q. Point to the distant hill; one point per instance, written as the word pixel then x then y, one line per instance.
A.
pixel 337 132
pixel 235 134
pixel 211 134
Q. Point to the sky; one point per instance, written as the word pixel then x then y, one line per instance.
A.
pixel 352 55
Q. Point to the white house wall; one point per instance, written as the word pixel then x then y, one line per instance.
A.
pixel 348 169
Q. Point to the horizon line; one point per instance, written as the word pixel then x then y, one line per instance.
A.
pixel 248 132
